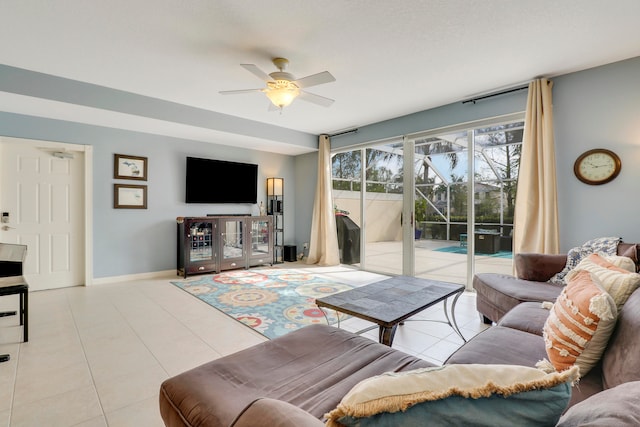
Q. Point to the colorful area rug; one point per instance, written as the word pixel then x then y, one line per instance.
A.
pixel 463 250
pixel 271 301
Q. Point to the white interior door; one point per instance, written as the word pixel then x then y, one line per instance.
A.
pixel 42 196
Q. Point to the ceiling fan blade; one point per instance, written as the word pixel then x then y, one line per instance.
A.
pixel 315 79
pixel 316 99
pixel 253 69
pixel 235 92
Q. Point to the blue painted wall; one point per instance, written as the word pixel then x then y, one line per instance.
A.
pixel 306 173
pixel 595 108
pixel 129 241
pixel 599 107
pixel 39 85
pixel 447 115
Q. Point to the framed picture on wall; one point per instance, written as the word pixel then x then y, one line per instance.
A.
pixel 127 196
pixel 129 167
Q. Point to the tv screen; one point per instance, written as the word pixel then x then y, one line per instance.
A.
pixel 217 181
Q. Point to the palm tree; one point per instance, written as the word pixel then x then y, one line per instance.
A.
pixel 506 161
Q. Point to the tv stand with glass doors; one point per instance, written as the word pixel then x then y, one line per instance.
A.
pixel 216 243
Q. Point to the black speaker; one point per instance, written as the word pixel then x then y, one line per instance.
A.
pixel 290 253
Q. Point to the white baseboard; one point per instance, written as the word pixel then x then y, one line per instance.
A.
pixel 166 274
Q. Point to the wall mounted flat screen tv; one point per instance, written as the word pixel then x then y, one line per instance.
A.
pixel 217 181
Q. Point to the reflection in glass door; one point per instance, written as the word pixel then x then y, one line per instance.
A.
pixel 383 208
pixel 201 238
pixel 232 244
pixel 367 194
pixel 347 185
pixel 462 199
pixel 496 164
pixel 440 182
pixel 452 187
pixel 260 232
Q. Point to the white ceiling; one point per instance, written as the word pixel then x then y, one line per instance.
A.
pixel 390 58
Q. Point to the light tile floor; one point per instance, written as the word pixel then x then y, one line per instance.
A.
pixel 96 355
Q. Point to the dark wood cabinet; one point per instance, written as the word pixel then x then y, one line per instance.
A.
pixel 232 242
pixel 197 249
pixel 216 243
pixel 261 237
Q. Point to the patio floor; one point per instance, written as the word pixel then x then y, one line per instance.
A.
pixel 386 257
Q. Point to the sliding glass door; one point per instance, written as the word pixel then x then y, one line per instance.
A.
pixel 441 186
pixel 383 208
pixel 496 164
pixel 348 181
pixel 367 193
pixel 465 184
pixel 454 218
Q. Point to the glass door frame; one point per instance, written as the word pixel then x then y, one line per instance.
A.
pixel 362 150
pixel 470 128
pixel 365 220
pixel 408 203
pixel 408 209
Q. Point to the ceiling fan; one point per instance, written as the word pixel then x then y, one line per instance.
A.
pixel 282 87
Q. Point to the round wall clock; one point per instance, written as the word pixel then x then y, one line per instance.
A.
pixel 597 166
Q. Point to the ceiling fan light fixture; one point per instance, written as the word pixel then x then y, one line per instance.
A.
pixel 281 92
pixel 283 88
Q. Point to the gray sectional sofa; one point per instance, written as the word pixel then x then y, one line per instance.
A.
pixel 295 379
pixel 517 339
pixel 497 294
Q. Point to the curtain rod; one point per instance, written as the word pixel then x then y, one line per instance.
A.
pixel 343 133
pixel 495 94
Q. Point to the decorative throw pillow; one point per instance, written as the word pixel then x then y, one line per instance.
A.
pixel 616 275
pixel 579 325
pixel 479 395
pixel 605 245
pixel 632 253
pixel 620 261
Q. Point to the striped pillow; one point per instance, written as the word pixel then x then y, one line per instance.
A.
pixel 616 275
pixel 580 323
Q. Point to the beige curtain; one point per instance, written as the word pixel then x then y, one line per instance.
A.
pixel 536 210
pixel 323 244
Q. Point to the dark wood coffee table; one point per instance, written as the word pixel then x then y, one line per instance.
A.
pixel 392 301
